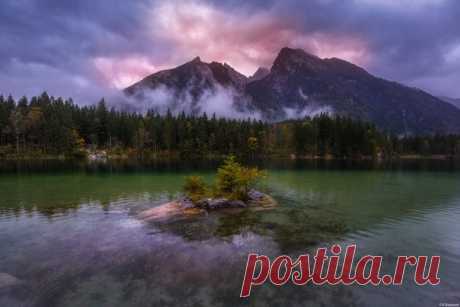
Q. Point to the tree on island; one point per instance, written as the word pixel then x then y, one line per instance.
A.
pixel 233 182
pixel 233 189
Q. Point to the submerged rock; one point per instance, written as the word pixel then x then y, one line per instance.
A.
pixel 170 210
pixel 185 207
pixel 7 280
pixel 255 195
pixel 186 203
pixel 220 203
pixel 265 202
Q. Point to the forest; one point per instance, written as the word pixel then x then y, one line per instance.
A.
pixel 45 126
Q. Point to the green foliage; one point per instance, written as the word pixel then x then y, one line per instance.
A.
pixel 195 188
pixel 227 176
pixel 252 145
pixel 54 126
pixel 76 145
pixel 234 180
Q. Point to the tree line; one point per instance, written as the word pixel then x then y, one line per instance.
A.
pixel 45 125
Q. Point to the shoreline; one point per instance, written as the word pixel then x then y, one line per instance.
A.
pixel 172 158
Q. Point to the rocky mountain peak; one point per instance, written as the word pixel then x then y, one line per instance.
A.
pixel 300 84
pixel 260 73
pixel 226 75
pixel 196 59
pixel 289 60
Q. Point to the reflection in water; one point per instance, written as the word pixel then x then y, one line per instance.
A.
pixel 290 228
pixel 139 166
pixel 74 239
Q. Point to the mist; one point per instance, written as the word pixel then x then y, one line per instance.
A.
pixel 219 101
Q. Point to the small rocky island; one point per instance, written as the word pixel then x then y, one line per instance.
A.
pixel 233 190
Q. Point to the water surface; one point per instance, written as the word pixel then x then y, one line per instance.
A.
pixel 73 237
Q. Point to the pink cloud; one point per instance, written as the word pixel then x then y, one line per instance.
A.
pixel 245 41
pixel 121 72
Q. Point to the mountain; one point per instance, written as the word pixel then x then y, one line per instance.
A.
pixel 300 81
pixel 189 86
pixel 300 84
pixel 453 101
pixel 260 73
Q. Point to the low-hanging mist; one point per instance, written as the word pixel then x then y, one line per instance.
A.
pixel 219 101
pixel 298 84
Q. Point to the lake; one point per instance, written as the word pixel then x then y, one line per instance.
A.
pixel 72 236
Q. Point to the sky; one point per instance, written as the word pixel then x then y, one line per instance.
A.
pixel 88 49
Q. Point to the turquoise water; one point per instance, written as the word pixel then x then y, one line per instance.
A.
pixel 73 238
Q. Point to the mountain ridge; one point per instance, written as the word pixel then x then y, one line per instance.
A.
pixel 454 101
pixel 298 84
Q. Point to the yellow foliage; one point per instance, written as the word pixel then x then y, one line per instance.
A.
pixel 233 181
pixel 195 188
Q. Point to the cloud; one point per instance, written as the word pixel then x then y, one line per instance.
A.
pixel 85 49
pixel 28 79
pixel 244 39
pixel 218 101
pixel 57 45
pixel 121 72
pixel 308 111
pixel 401 4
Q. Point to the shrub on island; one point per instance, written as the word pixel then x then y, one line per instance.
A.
pixel 234 186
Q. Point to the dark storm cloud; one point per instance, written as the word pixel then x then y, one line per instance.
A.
pixel 86 48
pixel 51 45
pixel 408 40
